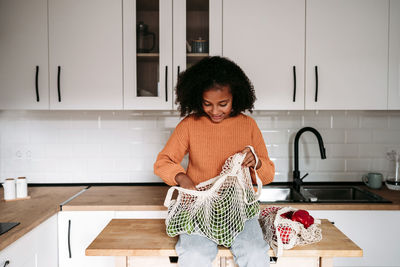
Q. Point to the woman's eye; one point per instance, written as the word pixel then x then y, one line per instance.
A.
pixel 206 104
pixel 223 105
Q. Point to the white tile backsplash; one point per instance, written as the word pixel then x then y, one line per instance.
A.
pixel 394 122
pixel 331 165
pixel 275 136
pixel 358 165
pixel 358 136
pixel 345 121
pixel 383 136
pixel 121 146
pixel 341 150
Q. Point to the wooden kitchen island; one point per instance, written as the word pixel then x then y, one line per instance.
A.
pixel 131 240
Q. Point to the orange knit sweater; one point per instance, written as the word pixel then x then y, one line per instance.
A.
pixel 209 144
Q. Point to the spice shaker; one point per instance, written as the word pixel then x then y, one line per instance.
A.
pixel 22 187
pixel 9 189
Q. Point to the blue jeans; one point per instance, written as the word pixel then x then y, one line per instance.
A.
pixel 249 248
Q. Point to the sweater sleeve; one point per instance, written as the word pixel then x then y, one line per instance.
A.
pixel 267 170
pixel 167 164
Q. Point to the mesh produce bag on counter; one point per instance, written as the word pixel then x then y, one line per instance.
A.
pixel 282 231
pixel 220 207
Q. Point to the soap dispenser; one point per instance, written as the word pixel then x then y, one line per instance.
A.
pixel 393 179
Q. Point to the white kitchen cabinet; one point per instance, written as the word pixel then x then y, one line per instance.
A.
pixel 376 232
pixel 37 248
pixel 344 44
pixel 194 19
pixel 23 55
pixel 85 54
pixel 76 230
pixel 151 70
pixel 148 65
pixel 77 43
pixel 47 243
pixel 268 43
pixel 346 54
pixel 12 253
pixel 394 55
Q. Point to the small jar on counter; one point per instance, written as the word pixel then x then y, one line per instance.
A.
pixel 22 187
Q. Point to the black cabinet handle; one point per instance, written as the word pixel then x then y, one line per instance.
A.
pixel 37 84
pixel 316 84
pixel 166 83
pixel 6 263
pixel 69 238
pixel 173 259
pixel 294 83
pixel 58 83
pixel 273 260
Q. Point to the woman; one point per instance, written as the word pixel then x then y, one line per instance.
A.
pixel 212 94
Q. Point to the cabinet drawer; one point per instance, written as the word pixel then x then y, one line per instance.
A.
pixel 154 262
pixel 21 253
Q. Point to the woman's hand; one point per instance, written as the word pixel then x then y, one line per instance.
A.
pixel 184 181
pixel 250 160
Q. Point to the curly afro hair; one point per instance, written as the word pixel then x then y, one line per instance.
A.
pixel 209 73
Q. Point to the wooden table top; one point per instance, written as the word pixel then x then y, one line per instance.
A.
pixel 44 203
pixel 147 237
pixel 139 198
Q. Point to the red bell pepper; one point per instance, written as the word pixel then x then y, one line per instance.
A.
pixel 287 215
pixel 303 217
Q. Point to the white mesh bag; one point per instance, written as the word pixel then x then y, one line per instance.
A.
pixel 282 233
pixel 220 207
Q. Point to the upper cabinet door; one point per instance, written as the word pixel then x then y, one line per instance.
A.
pixel 394 55
pixel 23 55
pixel 85 41
pixel 147 54
pixel 267 42
pixel 197 29
pixel 347 54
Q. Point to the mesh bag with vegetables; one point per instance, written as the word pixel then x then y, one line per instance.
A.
pixel 284 228
pixel 219 208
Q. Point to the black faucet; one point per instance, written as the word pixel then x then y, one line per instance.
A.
pixel 297 181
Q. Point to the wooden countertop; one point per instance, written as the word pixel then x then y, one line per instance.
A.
pixel 147 237
pixel 134 198
pixel 44 203
pixel 120 198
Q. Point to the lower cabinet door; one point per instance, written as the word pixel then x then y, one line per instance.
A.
pixel 376 232
pixel 37 248
pixel 76 230
pixel 46 243
pixel 150 262
pixel 159 261
pixel 280 262
pixel 21 253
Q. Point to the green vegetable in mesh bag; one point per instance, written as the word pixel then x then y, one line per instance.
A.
pixel 182 222
pixel 218 210
pixel 252 210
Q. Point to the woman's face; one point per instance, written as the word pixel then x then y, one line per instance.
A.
pixel 217 103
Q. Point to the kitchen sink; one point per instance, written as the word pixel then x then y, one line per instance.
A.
pixel 319 194
pixel 347 194
pixel 280 194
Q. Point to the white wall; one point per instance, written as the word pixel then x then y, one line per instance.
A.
pixel 121 146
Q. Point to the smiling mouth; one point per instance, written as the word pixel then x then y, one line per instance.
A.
pixel 217 117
